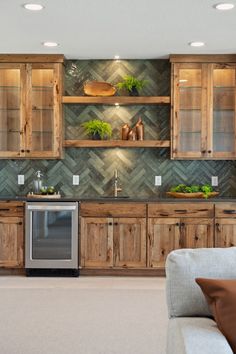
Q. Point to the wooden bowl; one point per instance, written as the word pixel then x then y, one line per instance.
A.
pixel 191 195
pixel 97 88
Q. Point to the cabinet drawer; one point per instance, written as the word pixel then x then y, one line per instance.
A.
pixel 113 209
pixel 181 209
pixel 226 210
pixel 10 208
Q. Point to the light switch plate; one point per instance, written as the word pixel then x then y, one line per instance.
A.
pixel 158 180
pixel 75 180
pixel 21 179
pixel 214 181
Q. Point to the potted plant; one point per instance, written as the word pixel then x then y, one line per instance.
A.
pixel 132 85
pixel 97 129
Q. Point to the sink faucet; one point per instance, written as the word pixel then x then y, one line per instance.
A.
pixel 116 188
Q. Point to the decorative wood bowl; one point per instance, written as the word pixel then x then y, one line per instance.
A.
pixel 191 195
pixel 97 88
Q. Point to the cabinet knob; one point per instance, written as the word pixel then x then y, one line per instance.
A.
pixel 27 150
pixel 110 223
pixel 209 151
pixel 22 150
pixel 182 224
pixel 115 223
pixel 203 151
pixel 177 224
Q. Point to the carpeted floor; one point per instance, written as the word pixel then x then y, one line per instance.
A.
pixel 86 315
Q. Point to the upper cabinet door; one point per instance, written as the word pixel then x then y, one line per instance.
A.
pixel 12 110
pixel 189 110
pixel 223 141
pixel 204 107
pixel 43 119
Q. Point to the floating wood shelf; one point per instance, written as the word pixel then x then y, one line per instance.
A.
pixel 122 100
pixel 117 143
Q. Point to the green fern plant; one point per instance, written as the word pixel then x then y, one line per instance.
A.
pixel 97 127
pixel 130 83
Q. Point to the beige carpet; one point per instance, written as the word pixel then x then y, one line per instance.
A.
pixel 85 315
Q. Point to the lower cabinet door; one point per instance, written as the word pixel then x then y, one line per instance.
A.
pixel 196 232
pixel 96 242
pixel 225 232
pixel 11 242
pixel 163 237
pixel 129 242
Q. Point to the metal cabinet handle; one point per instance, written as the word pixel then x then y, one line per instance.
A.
pixel 180 211
pixel 229 211
pixel 4 209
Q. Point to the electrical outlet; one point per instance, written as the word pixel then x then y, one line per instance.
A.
pixel 21 179
pixel 214 181
pixel 75 180
pixel 158 180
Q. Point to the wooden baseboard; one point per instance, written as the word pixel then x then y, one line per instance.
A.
pixel 147 272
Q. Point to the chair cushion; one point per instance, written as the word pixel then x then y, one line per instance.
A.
pixel 221 296
pixel 195 335
pixel 184 296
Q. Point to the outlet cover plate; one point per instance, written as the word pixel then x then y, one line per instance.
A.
pixel 158 180
pixel 21 179
pixel 75 180
pixel 214 181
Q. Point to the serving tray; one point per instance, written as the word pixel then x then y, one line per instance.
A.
pixel 43 196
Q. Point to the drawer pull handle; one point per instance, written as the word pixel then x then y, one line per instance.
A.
pixel 4 209
pixel 229 211
pixel 180 211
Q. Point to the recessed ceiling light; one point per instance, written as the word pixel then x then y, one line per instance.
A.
pixel 224 6
pixel 196 44
pixel 33 7
pixel 116 57
pixel 117 104
pixel 50 44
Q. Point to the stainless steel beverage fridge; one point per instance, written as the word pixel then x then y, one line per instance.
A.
pixel 51 242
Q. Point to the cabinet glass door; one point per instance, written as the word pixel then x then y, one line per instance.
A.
pixel 223 111
pixel 189 116
pixel 44 116
pixel 10 110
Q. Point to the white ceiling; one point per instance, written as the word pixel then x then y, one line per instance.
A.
pixel 134 29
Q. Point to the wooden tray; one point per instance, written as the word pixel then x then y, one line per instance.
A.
pixel 191 195
pixel 96 88
pixel 43 196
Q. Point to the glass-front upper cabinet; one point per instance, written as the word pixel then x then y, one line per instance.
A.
pixel 11 109
pixel 203 107
pixel 224 137
pixel 189 123
pixel 30 108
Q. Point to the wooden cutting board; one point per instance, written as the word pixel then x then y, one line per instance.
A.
pixel 97 88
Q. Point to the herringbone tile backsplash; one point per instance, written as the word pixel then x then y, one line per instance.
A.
pixel 137 167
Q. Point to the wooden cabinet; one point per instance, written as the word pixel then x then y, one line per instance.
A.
pixel 167 230
pixel 225 225
pixel 113 235
pixel 203 107
pixel 30 106
pixel 11 234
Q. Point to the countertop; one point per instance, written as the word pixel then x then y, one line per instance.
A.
pixel 102 199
